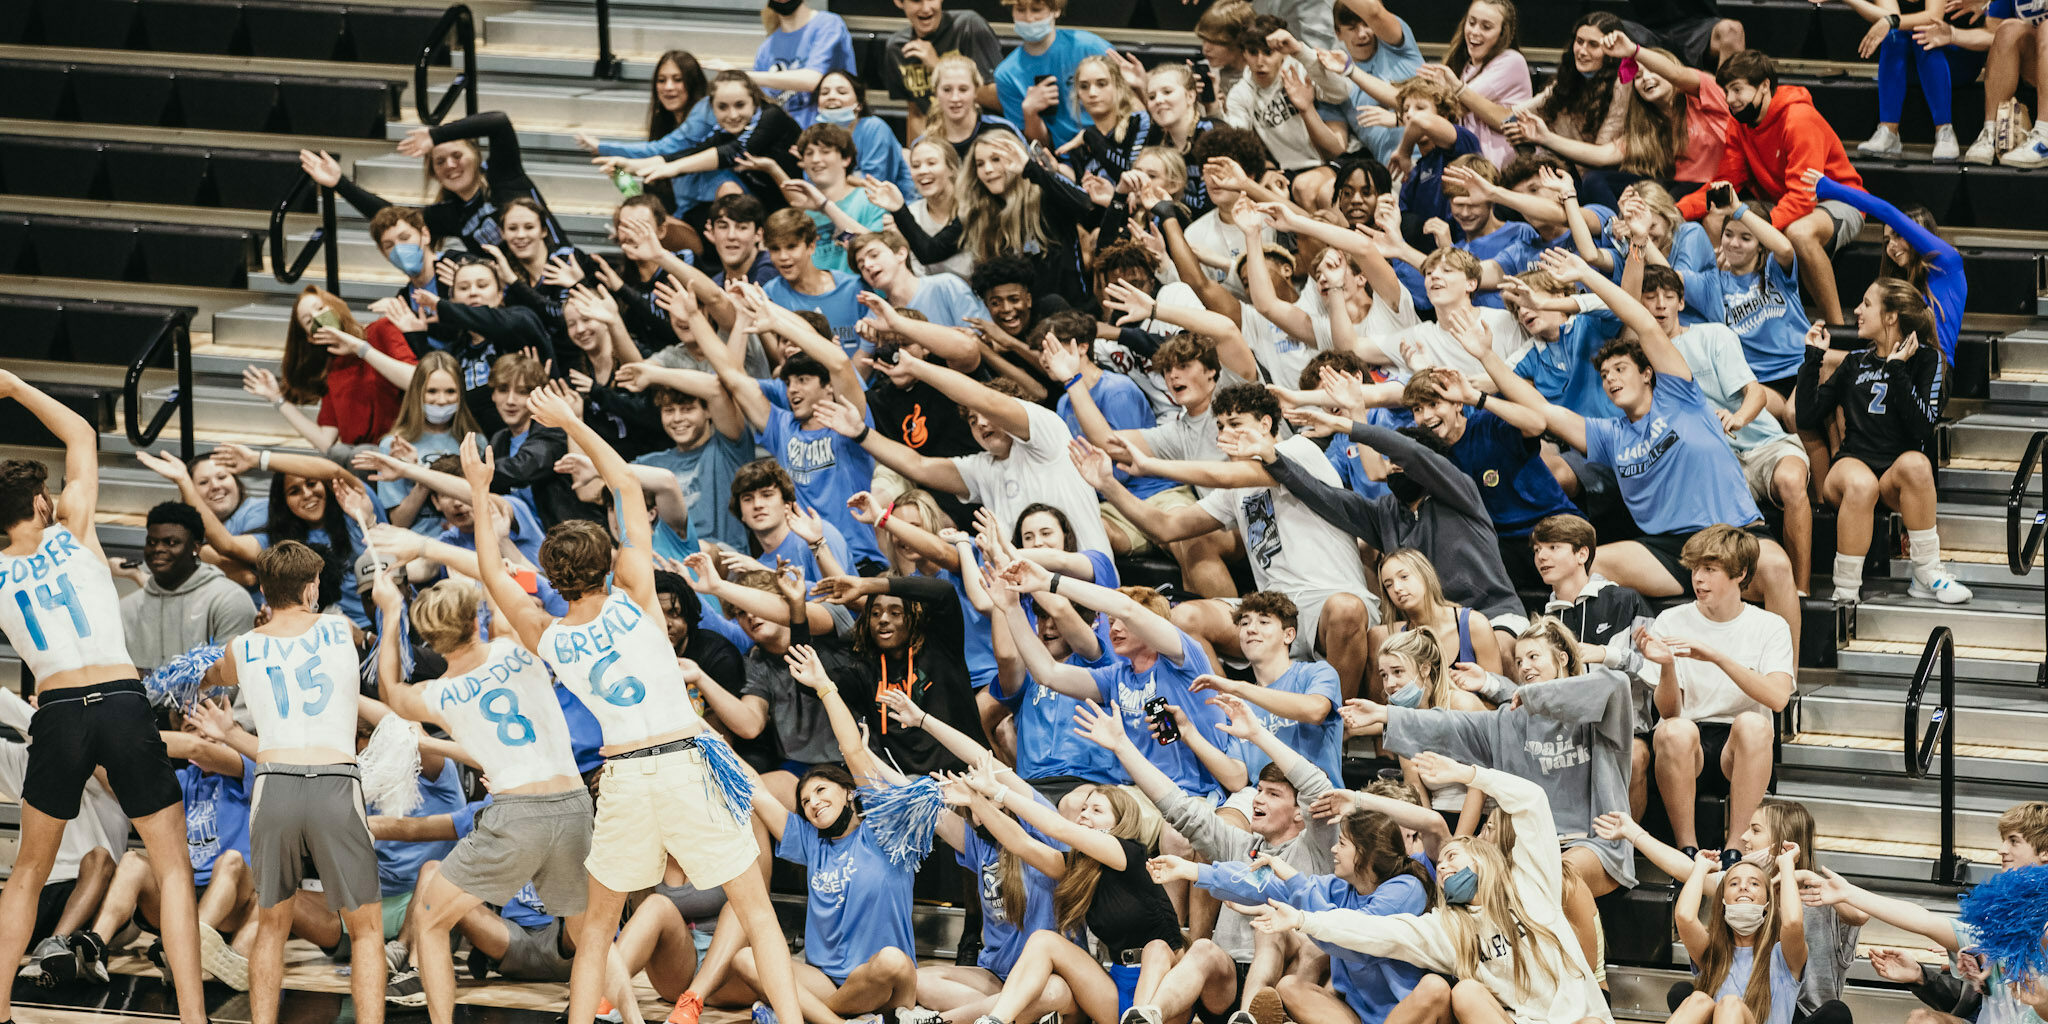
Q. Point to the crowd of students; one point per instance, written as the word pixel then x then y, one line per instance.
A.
pixel 1464 418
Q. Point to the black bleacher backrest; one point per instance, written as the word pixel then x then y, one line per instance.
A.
pixel 97 24
pixel 194 26
pixel 15 22
pixel 245 179
pixel 2004 197
pixel 1638 924
pixel 138 172
pixel 102 250
pixel 350 108
pixel 112 94
pixel 394 35
pixel 295 31
pixel 13 242
pixel 62 168
pixel 206 257
pixel 33 325
pixel 1972 376
pixel 95 403
pixel 225 101
pixel 115 333
pixel 1934 186
pixel 34 89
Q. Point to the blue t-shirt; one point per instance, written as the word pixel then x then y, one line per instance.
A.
pixel 398 863
pixel 1563 370
pixel 840 304
pixel 1001 941
pixel 1389 62
pixel 1371 985
pixel 1692 255
pixel 1784 983
pixel 525 532
pixel 249 517
pixel 1322 743
pixel 859 903
pixel 827 468
pixel 947 300
pixel 822 45
pixel 389 493
pixel 1020 71
pixel 881 154
pixel 1513 245
pixel 1127 689
pixel 798 552
pixel 831 254
pixel 1046 744
pixel 979 640
pixel 1422 194
pixel 1125 406
pixel 1676 471
pixel 705 473
pixel 1513 481
pixel 216 815
pixel 1343 454
pixel 1765 311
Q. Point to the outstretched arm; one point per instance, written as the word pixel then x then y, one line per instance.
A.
pixel 528 620
pixel 633 568
pixel 81 456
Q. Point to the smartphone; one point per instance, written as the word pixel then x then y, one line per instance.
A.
pixel 1044 79
pixel 1161 720
pixel 327 318
pixel 888 354
pixel 1720 196
pixel 1205 83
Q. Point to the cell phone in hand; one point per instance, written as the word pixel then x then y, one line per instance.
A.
pixel 1721 196
pixel 1205 85
pixel 1161 720
pixel 1046 80
pixel 327 318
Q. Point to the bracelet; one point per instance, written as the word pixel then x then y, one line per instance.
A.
pixel 277 403
pixel 1054 586
pixel 1071 381
pixel 1739 211
pixel 827 691
pixel 1481 404
pixel 886 513
pixel 362 349
pixel 263 462
pixel 921 719
pixel 1894 19
pixel 861 437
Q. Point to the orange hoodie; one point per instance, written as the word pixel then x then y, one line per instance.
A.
pixel 1771 157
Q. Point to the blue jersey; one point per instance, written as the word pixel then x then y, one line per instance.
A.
pixel 1124 405
pixel 1563 370
pixel 858 904
pixel 398 863
pixel 839 304
pixel 1513 481
pixel 216 815
pixel 1371 985
pixel 827 468
pixel 1676 471
pixel 1046 744
pixel 1021 70
pixel 1765 311
pixel 1001 941
pixel 1127 689
pixel 1322 743
pixel 822 44
pixel 705 474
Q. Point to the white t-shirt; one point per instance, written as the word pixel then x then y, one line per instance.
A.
pixel 1038 469
pixel 1754 637
pixel 1208 234
pixel 1715 355
pixel 1292 550
pixel 1384 318
pixel 1116 357
pixel 1509 343
pixel 1268 112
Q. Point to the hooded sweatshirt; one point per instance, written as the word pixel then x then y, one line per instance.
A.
pixel 1771 156
pixel 208 608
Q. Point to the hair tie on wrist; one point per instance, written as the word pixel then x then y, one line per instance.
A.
pixel 886 513
pixel 1071 381
pixel 1054 586
pixel 865 430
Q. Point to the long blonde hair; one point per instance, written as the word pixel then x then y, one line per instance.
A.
pixel 1425 658
pixel 994 225
pixel 929 517
pixel 1651 135
pixel 412 412
pixel 1123 102
pixel 1432 587
pixel 1075 891
pixel 1714 961
pixel 1497 908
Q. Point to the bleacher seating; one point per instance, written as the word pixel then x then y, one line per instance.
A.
pixel 194 98
pixel 293 29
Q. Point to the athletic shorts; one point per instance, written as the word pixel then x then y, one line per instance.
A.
pixel 1784 386
pixel 393 908
pixel 1136 539
pixel 534 954
pixel 49 907
pixel 693 903
pixel 540 838
pixel 1760 465
pixel 1848 223
pixel 669 805
pixel 1713 740
pixel 1208 1016
pixel 105 725
pixel 311 812
pixel 1667 546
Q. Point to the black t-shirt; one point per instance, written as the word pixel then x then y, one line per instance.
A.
pixel 960 32
pixel 921 418
pixel 1129 908
pixel 935 675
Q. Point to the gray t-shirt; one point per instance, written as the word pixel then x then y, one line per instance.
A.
pixel 1186 438
pixel 678 357
pixel 1830 952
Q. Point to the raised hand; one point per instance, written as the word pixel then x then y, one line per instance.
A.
pixel 1092 463
pixel 262 383
pixel 805 522
pixel 901 708
pixel 322 168
pixel 1105 729
pixel 1169 868
pixel 1363 717
pixel 478 463
pixel 1240 722
pixel 1278 918
pixel 839 417
pixel 418 142
pixel 1028 576
pixel 1438 771
pixel 805 668
pixel 1616 826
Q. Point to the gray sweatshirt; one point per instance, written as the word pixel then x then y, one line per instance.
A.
pixel 160 624
pixel 1569 736
pixel 1219 841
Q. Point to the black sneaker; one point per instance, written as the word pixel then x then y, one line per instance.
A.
pixel 480 966
pixel 155 953
pixel 52 963
pixel 91 953
pixel 404 989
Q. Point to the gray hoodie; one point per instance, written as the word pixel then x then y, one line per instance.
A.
pixel 162 624
pixel 1569 736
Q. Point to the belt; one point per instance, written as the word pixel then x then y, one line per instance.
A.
pixel 686 743
pixel 309 771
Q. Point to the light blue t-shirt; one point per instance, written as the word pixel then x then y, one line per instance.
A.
pixel 1784 984
pixel 430 446
pixel 1046 744
pixel 216 815
pixel 858 904
pixel 1343 454
pixel 1371 985
pixel 826 466
pixel 525 532
pixel 1389 62
pixel 1125 407
pixel 398 863
pixel 1513 245
pixel 1677 475
pixel 1001 941
pixel 705 473
pixel 881 154
pixel 822 45
pixel 976 635
pixel 947 300
pixel 1020 71
pixel 840 304
pixel 1322 743
pixel 831 253
pixel 1127 689
pixel 1563 370
pixel 1765 311
pixel 798 552
pixel 1692 255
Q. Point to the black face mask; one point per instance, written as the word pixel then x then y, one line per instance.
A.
pixel 986 836
pixel 1748 116
pixel 1404 490
pixel 841 825
pixel 784 8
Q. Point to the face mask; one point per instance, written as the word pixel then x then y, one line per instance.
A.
pixel 1748 116
pixel 1402 488
pixel 1033 31
pixel 1745 918
pixel 1408 696
pixel 437 414
pixel 844 115
pixel 841 825
pixel 784 8
pixel 409 258
pixel 1460 887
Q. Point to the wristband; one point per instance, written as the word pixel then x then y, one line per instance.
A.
pixel 1893 19
pixel 827 691
pixel 886 513
pixel 1481 404
pixel 1739 211
pixel 1054 586
pixel 362 349
pixel 1071 381
pixel 263 462
pixel 865 430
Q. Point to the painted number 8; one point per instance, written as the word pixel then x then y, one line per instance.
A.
pixel 508 718
pixel 624 692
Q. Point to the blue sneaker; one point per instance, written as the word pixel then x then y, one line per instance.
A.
pixel 762 1014
pixel 2032 150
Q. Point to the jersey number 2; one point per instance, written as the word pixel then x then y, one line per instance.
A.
pixel 309 680
pixel 64 596
pixel 1877 391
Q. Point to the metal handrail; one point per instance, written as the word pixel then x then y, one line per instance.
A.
pixel 177 330
pixel 464 24
pixel 1919 748
pixel 324 241
pixel 2020 555
pixel 608 64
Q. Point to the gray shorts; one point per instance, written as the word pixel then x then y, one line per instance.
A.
pixel 527 838
pixel 1848 223
pixel 693 903
pixel 534 954
pixel 299 813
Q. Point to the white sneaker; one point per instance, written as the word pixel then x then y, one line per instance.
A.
pixel 1985 149
pixel 220 960
pixel 1882 142
pixel 1942 588
pixel 1945 143
pixel 2032 151
pixel 1848 595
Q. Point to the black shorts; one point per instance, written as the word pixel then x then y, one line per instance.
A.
pixel 1878 464
pixel 1713 740
pixel 1666 547
pixel 1783 385
pixel 106 725
pixel 49 907
pixel 1208 1016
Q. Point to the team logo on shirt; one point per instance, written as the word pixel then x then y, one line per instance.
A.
pixel 915 430
pixel 1642 456
pixel 1553 756
pixel 1132 700
pixel 1262 534
pixel 807 458
pixel 1490 478
pixel 829 884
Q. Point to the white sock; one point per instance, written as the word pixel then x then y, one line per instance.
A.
pixel 1924 548
pixel 1849 573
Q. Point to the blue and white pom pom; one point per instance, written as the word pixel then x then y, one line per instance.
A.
pixel 902 818
pixel 390 768
pixel 735 786
pixel 2008 916
pixel 176 682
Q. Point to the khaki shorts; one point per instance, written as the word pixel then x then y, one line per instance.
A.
pixel 1760 464
pixel 1139 543
pixel 668 805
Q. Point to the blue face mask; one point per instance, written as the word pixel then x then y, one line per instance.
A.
pixel 1460 887
pixel 844 115
pixel 1032 31
pixel 408 258
pixel 1409 696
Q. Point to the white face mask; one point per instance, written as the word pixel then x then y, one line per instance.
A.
pixel 439 415
pixel 1745 918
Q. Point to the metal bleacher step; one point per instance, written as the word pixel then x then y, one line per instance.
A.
pixel 1873 658
pixel 223 413
pixel 2002 722
pixel 1986 622
pixel 547 31
pixel 1859 814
